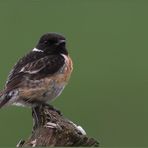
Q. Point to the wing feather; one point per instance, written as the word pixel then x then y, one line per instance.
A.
pixel 35 70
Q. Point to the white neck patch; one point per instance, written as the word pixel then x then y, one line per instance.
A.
pixel 37 50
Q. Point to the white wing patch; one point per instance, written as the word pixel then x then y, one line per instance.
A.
pixel 22 69
pixel 30 72
pixel 37 50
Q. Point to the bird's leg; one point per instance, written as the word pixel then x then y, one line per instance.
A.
pixel 35 117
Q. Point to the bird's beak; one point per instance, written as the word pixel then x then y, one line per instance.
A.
pixel 61 42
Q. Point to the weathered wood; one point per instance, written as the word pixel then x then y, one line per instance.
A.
pixel 52 129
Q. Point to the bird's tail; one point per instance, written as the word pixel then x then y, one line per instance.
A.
pixel 3 99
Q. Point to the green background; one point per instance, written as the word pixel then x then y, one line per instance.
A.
pixel 108 42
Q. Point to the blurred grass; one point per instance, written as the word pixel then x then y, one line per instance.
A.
pixel 107 39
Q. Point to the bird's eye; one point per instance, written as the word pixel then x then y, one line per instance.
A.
pixel 46 42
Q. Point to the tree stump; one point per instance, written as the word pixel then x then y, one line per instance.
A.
pixel 50 128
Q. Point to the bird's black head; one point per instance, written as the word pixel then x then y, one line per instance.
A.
pixel 52 43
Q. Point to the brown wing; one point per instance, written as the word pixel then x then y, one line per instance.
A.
pixel 36 70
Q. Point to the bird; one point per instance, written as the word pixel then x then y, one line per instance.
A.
pixel 41 75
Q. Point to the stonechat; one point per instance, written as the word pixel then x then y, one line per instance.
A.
pixel 41 75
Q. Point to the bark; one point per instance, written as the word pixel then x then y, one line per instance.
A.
pixel 50 128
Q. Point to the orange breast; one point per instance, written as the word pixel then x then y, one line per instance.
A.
pixel 64 74
pixel 68 67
